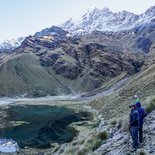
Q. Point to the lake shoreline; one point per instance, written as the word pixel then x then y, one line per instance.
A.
pixel 85 127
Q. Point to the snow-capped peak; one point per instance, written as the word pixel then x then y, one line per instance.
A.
pixel 106 20
pixel 9 45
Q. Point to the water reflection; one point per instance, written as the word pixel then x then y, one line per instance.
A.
pixel 38 126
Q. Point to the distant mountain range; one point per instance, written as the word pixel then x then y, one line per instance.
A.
pixel 9 45
pixel 103 20
pixel 59 60
pixel 106 20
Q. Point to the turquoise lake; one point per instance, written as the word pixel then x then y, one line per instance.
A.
pixel 42 125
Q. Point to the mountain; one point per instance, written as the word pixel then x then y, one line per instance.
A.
pixel 103 20
pixel 78 64
pixel 10 45
pixel 106 20
pixel 108 64
pixel 81 63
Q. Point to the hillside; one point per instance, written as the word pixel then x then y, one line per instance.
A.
pixel 76 64
pixel 142 84
pixel 23 75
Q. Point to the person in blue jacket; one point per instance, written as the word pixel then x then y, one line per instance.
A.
pixel 142 115
pixel 134 125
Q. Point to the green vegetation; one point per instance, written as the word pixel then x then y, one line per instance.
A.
pixel 151 106
pixel 141 152
pixel 116 104
pixel 82 151
pixel 125 126
pixel 96 144
pixel 119 124
pixel 24 75
pixel 113 122
pixel 103 135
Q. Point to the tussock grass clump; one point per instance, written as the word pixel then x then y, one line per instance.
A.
pixel 82 151
pixel 151 106
pixel 113 122
pixel 103 135
pixel 119 124
pixel 96 144
pixel 141 152
pixel 91 142
pixel 125 126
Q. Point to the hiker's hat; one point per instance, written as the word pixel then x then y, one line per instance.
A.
pixel 132 105
pixel 135 96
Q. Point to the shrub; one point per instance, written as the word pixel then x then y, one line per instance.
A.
pixel 103 135
pixel 151 106
pixel 141 152
pixel 82 151
pixel 113 122
pixel 125 126
pixel 119 124
pixel 96 144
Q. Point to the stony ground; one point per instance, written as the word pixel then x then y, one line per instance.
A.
pixel 120 143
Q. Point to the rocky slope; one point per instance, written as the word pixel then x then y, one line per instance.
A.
pixel 141 83
pixel 120 142
pixel 80 64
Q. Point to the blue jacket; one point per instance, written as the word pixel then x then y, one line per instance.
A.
pixel 142 112
pixel 134 118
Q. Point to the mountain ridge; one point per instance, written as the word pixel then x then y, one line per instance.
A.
pixel 93 21
pixel 80 63
pixel 106 20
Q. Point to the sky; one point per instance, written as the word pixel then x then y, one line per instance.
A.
pixel 25 17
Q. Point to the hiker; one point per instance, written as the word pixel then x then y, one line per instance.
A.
pixel 134 125
pixel 142 115
pixel 136 99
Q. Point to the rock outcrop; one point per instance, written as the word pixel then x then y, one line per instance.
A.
pixel 77 63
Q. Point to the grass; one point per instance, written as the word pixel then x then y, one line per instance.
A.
pixel 119 124
pixel 96 144
pixel 151 106
pixel 125 126
pixel 116 104
pixel 113 122
pixel 24 74
pixel 103 135
pixel 141 152
pixel 82 151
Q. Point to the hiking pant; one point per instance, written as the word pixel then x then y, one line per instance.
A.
pixel 141 133
pixel 134 134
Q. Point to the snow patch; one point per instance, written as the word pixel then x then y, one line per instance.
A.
pixel 106 20
pixel 8 146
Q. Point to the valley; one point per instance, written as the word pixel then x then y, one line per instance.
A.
pixel 92 69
